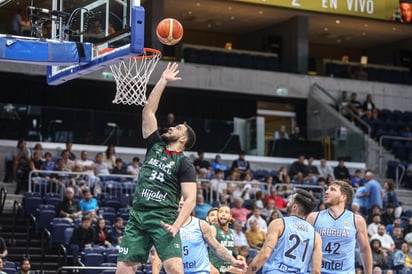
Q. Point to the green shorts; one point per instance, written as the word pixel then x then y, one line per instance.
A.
pixel 143 230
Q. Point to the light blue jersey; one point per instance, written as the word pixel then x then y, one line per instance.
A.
pixel 338 242
pixel 293 251
pixel 194 251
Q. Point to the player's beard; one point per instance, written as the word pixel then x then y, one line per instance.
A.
pixel 332 201
pixel 222 223
pixel 289 209
pixel 167 139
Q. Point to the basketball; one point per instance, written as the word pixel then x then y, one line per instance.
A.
pixel 169 31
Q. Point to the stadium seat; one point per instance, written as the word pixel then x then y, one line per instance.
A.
pixel 44 219
pixel 93 259
pixel 31 200
pixel 112 201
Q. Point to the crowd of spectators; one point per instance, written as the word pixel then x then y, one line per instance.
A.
pixel 255 200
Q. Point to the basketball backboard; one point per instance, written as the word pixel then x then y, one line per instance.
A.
pixel 81 30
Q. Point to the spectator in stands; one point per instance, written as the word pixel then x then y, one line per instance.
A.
pixel 19 22
pixel 408 227
pixel 68 164
pixel 119 167
pixel 218 164
pixel 25 266
pixel 341 172
pixel 405 6
pixel 325 169
pixel 390 227
pixel 69 207
pixel 3 248
pixel 390 197
pixel 373 226
pixel 388 216
pixel 102 236
pixel 219 187
pixel 88 166
pixel 35 165
pixel 359 203
pixel 240 213
pixel 82 237
pixel 201 163
pixel 48 164
pixel 134 167
pixel 239 237
pixel 342 102
pixel 311 167
pixel 255 236
pixel 170 122
pixel 296 134
pixel 281 133
pixel 69 147
pixel 379 256
pixel 373 192
pixel 101 169
pixel 242 191
pixel 59 181
pixel 269 208
pixel 407 133
pixel 118 231
pixel 298 166
pixel 280 202
pixel 21 169
pixel 89 205
pixel 355 105
pixel 357 179
pixel 110 156
pixel 368 104
pixel 398 237
pixel 234 178
pixel 241 165
pixel 402 259
pixel 201 208
pixel 386 240
pixel 1 266
pixel 260 221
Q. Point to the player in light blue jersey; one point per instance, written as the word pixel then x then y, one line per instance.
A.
pixel 196 236
pixel 340 230
pixel 291 245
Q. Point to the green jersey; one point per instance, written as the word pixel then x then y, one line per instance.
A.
pixel 158 185
pixel 225 238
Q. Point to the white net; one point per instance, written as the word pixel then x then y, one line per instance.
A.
pixel 131 76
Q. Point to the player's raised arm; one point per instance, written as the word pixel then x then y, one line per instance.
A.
pixel 149 121
pixel 274 231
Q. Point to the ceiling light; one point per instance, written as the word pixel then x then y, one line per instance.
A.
pixel 363 33
pixel 229 8
pixel 189 12
pixel 232 17
pixel 261 12
pixel 394 28
pixel 338 21
pixel 338 41
pixel 198 4
pixel 209 26
pixel 326 29
pixel 366 25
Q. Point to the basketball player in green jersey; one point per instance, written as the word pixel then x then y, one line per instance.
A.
pixel 224 235
pixel 166 175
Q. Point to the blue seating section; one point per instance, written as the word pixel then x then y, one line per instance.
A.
pixel 231 59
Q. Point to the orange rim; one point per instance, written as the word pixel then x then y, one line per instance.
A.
pixel 147 53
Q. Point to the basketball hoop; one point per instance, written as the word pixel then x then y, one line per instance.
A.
pixel 132 75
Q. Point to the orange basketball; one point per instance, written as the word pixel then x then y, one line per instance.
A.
pixel 169 31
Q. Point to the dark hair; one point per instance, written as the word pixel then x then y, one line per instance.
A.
pixel 305 201
pixel 191 137
pixel 136 159
pixel 212 209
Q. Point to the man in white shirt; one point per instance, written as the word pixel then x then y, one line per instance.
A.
pixel 325 170
pixel 386 240
pixel 239 238
pixel 261 222
pixel 88 166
